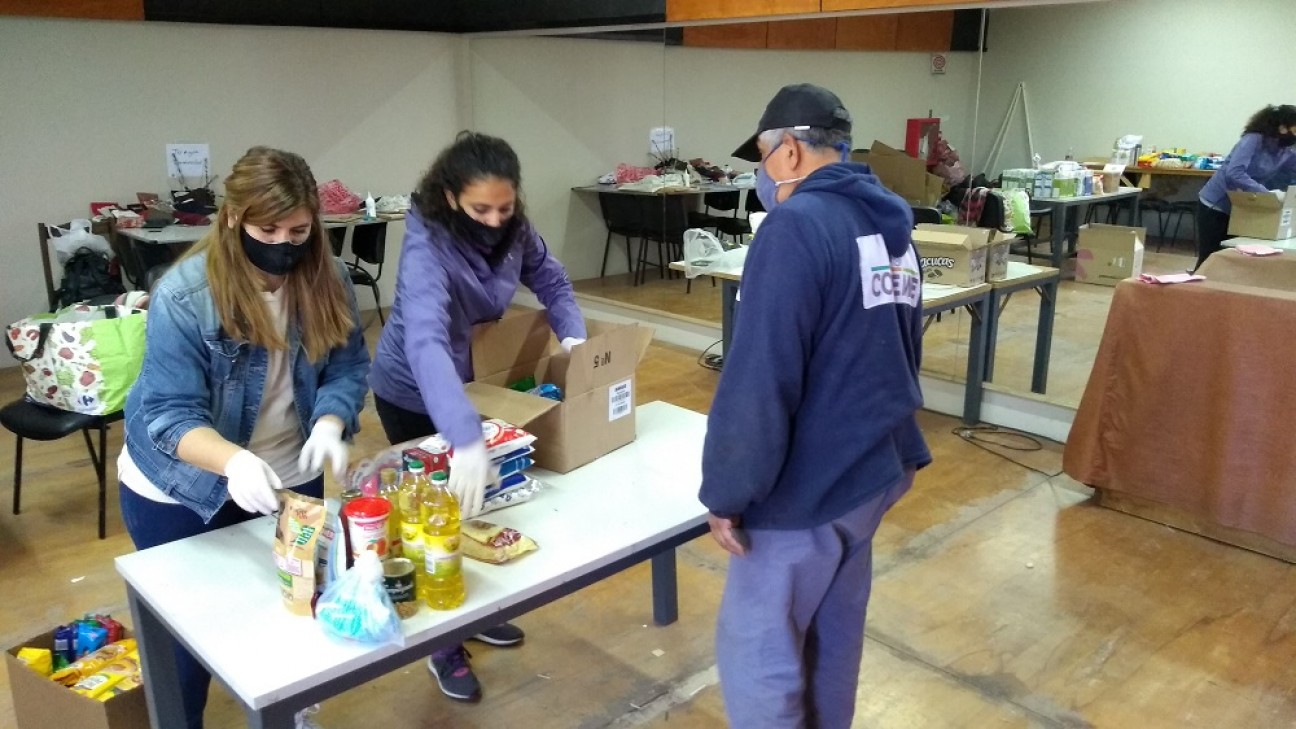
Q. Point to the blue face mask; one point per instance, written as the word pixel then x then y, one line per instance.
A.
pixel 767 187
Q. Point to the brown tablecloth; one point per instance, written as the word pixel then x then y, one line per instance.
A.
pixel 1191 401
pixel 1269 272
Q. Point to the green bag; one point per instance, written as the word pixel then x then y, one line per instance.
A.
pixel 80 358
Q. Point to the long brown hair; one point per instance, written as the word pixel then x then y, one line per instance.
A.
pixel 267 185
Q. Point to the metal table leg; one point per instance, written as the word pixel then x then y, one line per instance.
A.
pixel 1044 335
pixel 665 588
pixel 1058 233
pixel 996 305
pixel 976 361
pixel 157 649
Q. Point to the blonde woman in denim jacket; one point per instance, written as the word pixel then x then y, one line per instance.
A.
pixel 254 372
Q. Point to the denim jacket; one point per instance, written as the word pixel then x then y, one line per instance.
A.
pixel 194 375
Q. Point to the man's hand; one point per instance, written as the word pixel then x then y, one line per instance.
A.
pixel 728 534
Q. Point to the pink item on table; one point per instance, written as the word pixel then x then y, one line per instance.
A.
pixel 629 173
pixel 1258 249
pixel 1171 278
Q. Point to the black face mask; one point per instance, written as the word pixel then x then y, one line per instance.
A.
pixel 275 259
pixel 1286 140
pixel 487 236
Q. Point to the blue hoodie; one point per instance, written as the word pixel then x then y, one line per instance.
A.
pixel 815 410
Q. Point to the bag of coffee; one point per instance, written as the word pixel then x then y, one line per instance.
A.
pixel 300 520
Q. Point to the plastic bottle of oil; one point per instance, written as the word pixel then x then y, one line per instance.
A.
pixel 409 498
pixel 389 489
pixel 443 582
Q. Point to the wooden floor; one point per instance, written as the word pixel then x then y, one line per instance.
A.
pixel 1003 598
pixel 1080 316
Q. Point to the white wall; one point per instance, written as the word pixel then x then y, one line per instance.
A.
pixel 574 108
pixel 1183 73
pixel 87 107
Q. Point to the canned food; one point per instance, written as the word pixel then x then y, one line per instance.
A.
pixel 398 580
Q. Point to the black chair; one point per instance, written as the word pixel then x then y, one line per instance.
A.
pixel 665 219
pixel 623 216
pixel 30 421
pixel 926 215
pixel 753 204
pixel 1178 209
pixel 730 225
pixel 368 245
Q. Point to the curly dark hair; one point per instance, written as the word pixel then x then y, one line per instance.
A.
pixel 471 158
pixel 1267 120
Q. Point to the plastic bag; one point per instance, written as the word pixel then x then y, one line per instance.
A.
pixel 705 254
pixel 1018 218
pixel 356 606
pixel 74 237
pixel 336 199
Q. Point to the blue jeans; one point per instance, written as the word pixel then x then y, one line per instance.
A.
pixel 151 523
pixel 790 631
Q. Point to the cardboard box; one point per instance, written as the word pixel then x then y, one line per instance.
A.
pixel 597 380
pixel 40 703
pixel 903 175
pixel 997 245
pixel 1109 254
pixel 1263 215
pixel 953 259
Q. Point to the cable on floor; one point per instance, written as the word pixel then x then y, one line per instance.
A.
pixel 982 436
pixel 711 361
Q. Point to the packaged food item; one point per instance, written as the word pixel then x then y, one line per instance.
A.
pixel 90 636
pixel 330 548
pixel 502 438
pixel 356 606
pixel 517 489
pixel 115 630
pixel 300 520
pixel 64 646
pixel 492 543
pixel 399 582
pixel 108 676
pixel 366 524
pixel 133 681
pixel 442 587
pixel 547 390
pixel 40 660
pixel 89 665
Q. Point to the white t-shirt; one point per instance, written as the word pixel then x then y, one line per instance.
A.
pixel 276 437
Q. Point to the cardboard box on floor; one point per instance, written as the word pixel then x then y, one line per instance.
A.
pixel 903 175
pixel 597 380
pixel 1263 215
pixel 40 703
pixel 951 258
pixel 1109 254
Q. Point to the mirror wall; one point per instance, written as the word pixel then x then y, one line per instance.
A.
pixel 1082 92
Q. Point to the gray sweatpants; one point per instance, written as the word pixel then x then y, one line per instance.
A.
pixel 791 626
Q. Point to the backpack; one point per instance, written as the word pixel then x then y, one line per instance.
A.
pixel 88 274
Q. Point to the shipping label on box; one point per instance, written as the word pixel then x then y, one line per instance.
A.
pixel 952 259
pixel 1109 254
pixel 596 415
pixel 1263 214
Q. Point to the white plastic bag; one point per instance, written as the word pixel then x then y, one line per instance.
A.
pixel 704 255
pixel 74 237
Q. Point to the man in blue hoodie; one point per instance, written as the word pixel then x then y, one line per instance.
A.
pixel 812 435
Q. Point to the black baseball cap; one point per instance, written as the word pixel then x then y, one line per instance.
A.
pixel 798 105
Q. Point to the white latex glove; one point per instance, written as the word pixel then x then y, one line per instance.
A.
pixel 252 483
pixel 570 342
pixel 1280 194
pixel 471 471
pixel 325 441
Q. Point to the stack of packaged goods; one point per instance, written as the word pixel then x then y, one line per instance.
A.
pixel 90 656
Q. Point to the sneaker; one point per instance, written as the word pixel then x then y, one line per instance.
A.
pixel 302 719
pixel 503 635
pixel 454 675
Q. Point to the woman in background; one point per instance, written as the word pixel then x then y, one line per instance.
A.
pixel 1263 159
pixel 254 373
pixel 467 247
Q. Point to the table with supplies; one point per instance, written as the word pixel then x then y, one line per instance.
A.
pixel 218 593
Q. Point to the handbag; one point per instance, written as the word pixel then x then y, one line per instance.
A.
pixel 82 358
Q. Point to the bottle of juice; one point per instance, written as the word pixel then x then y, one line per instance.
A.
pixel 443 582
pixel 389 489
pixel 410 497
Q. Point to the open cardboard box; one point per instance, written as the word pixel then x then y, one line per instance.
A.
pixel 997 242
pixel 1109 254
pixel 952 258
pixel 1263 215
pixel 40 703
pixel 597 380
pixel 903 175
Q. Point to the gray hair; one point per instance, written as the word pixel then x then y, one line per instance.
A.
pixel 816 138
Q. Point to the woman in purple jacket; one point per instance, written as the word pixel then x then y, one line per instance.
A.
pixel 1262 159
pixel 467 247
